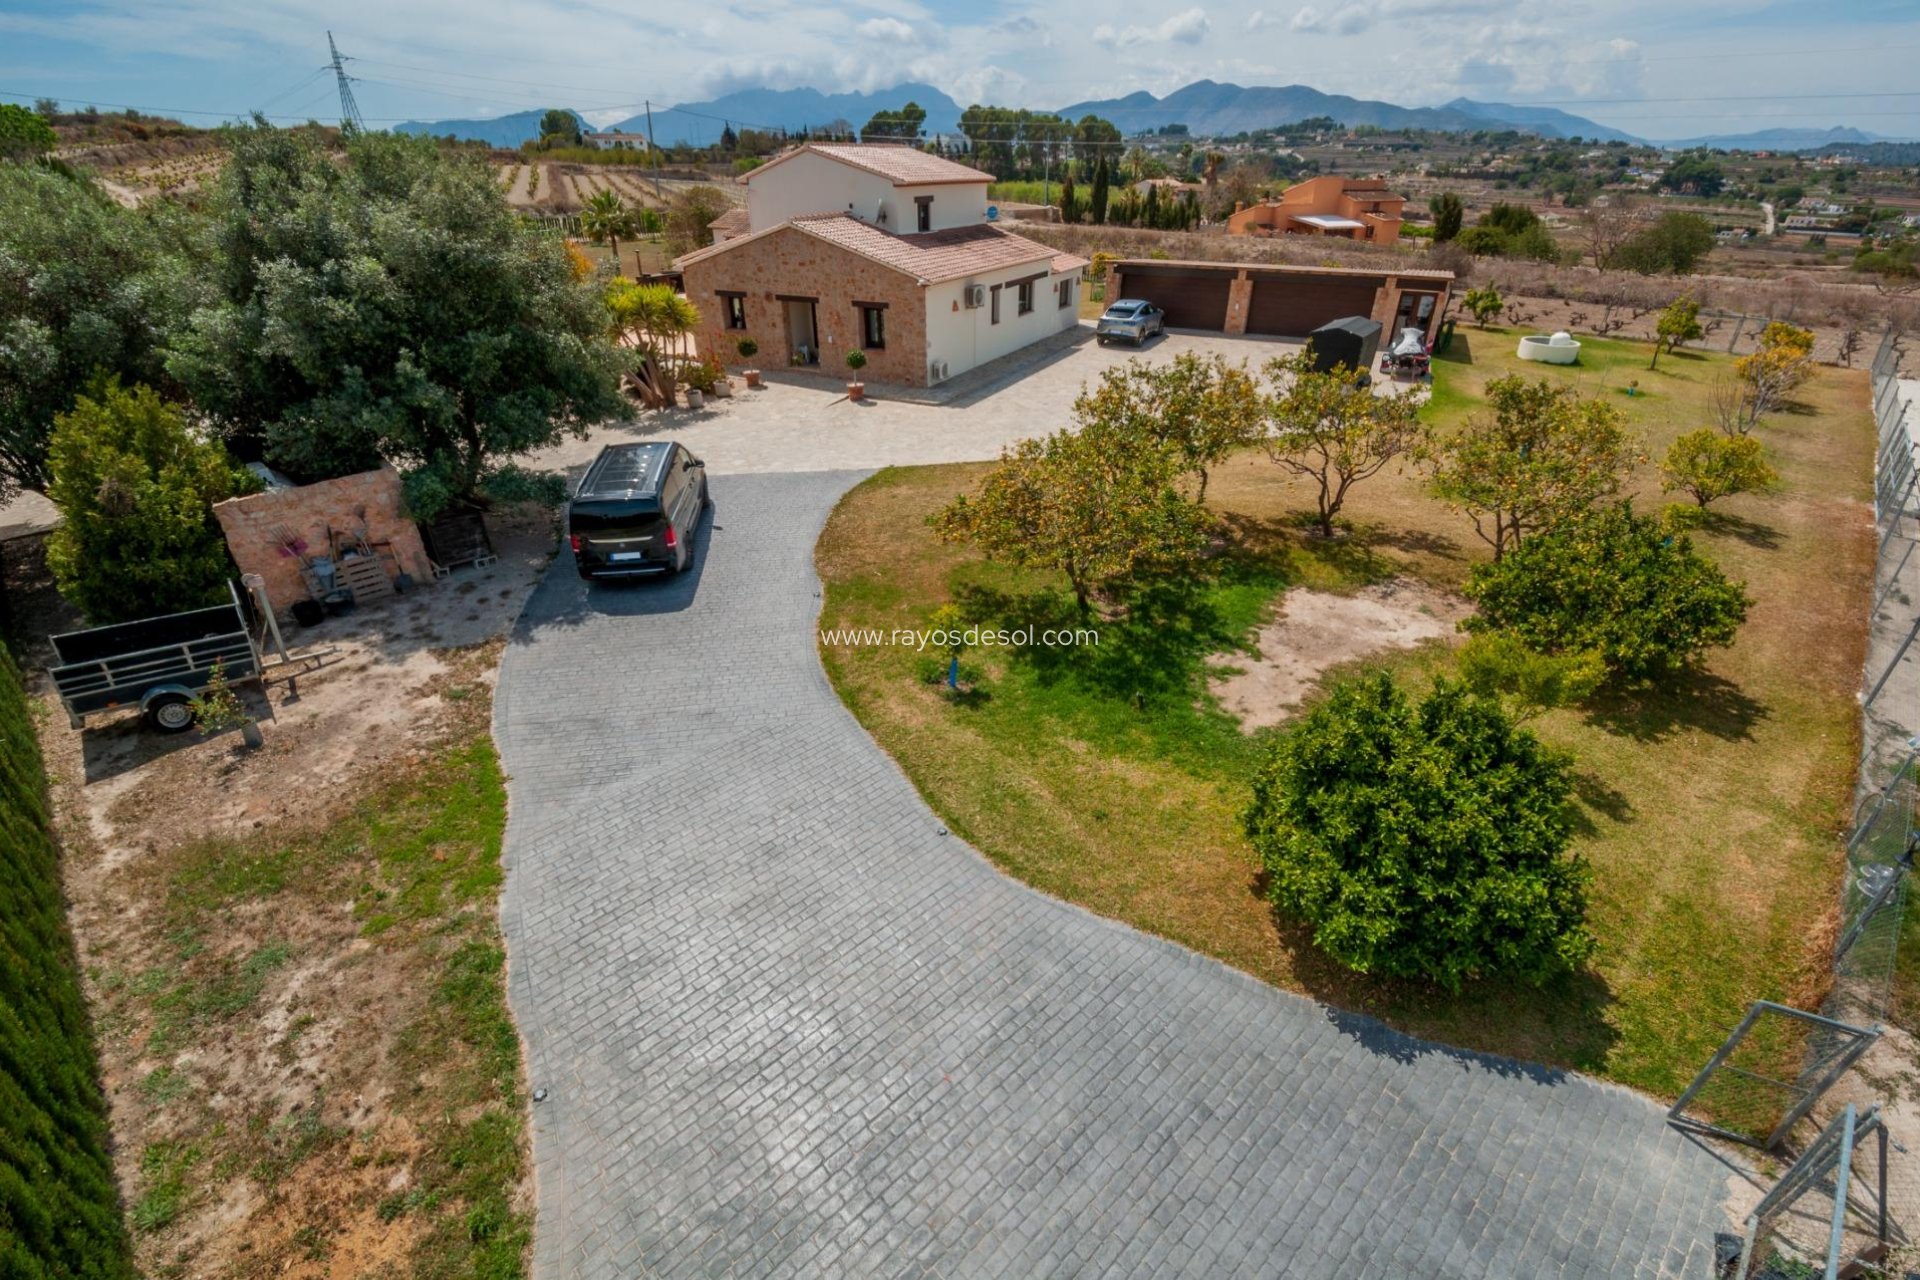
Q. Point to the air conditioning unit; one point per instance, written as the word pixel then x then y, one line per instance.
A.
pixel 976 295
pixel 936 371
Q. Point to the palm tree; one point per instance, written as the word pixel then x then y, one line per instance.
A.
pixel 649 318
pixel 606 217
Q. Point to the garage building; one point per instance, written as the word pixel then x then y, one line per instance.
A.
pixel 1281 299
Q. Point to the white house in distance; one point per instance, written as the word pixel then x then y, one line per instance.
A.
pixel 879 248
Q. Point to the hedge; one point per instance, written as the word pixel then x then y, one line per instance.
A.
pixel 59 1206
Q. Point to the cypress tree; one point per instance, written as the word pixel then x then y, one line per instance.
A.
pixel 1098 203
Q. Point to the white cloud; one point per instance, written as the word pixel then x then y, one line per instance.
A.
pixel 1258 20
pixel 891 30
pixel 1187 27
pixel 1346 21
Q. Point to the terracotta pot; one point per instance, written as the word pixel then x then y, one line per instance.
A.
pixel 856 390
pixel 752 376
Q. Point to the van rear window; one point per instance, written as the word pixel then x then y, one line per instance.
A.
pixel 623 519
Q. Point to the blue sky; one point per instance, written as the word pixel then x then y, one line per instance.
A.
pixel 1652 67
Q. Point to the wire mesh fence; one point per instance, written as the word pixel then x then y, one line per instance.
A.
pixel 1828 1216
pixel 1807 1088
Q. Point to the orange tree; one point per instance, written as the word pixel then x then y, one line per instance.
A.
pixel 1422 840
pixel 1541 456
pixel 1615 584
pixel 1200 408
pixel 1082 504
pixel 1334 432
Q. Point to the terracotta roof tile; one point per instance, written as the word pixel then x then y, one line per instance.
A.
pixel 901 165
pixel 734 219
pixel 931 255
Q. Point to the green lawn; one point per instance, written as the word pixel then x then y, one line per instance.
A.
pixel 1109 776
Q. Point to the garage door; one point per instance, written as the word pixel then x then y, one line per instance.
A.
pixel 1192 300
pixel 1295 306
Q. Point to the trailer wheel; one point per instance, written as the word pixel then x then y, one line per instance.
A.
pixel 170 713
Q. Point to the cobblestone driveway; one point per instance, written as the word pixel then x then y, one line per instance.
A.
pixel 788 1027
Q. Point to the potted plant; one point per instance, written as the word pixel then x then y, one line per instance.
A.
pixel 701 379
pixel 220 709
pixel 748 349
pixel 856 361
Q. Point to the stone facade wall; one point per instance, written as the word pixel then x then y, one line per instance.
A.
pixel 794 263
pixel 254 525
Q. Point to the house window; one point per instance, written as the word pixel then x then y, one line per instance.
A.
pixel 736 304
pixel 1065 290
pixel 993 316
pixel 923 211
pixel 873 326
pixel 1026 297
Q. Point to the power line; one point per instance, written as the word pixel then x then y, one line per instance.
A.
pixel 349 109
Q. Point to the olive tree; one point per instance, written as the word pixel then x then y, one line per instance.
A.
pixel 84 291
pixel 1334 433
pixel 389 307
pixel 1424 840
pixel 1542 455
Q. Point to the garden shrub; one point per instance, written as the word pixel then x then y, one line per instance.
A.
pixel 1422 840
pixel 135 488
pixel 59 1206
pixel 1613 583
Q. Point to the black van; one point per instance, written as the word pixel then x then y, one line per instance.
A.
pixel 636 510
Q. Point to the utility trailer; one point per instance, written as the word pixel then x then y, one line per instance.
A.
pixel 156 664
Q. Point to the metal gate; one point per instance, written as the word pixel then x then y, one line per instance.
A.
pixel 1768 1074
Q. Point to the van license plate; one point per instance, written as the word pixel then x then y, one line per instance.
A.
pixel 624 555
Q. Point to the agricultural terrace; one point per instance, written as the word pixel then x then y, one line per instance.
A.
pixel 1115 775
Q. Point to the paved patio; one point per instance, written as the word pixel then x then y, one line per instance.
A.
pixel 804 422
pixel 788 1026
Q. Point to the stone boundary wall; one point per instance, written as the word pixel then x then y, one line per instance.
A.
pixel 254 526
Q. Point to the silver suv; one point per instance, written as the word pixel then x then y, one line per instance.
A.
pixel 1132 319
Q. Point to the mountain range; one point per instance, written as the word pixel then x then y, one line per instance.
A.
pixel 1208 107
pixel 1205 107
pixel 500 131
pixel 1782 139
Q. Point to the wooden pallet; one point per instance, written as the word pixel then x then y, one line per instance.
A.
pixel 363 576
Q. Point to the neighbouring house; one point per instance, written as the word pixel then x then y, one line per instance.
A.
pixel 880 248
pixel 1282 299
pixel 614 140
pixel 1354 208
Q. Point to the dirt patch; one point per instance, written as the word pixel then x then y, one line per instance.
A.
pixel 384 688
pixel 1316 631
pixel 268 936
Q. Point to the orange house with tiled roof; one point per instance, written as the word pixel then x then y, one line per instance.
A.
pixel 883 249
pixel 1353 208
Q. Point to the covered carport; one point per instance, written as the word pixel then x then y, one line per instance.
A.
pixel 1281 299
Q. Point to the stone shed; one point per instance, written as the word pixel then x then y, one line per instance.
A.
pixel 368 504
